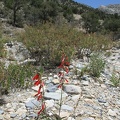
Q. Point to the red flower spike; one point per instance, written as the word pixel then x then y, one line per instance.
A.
pixel 66 69
pixel 36 77
pixel 39 97
pixel 37 83
pixel 67 63
pixel 43 107
pixel 62 62
pixel 37 94
pixel 60 74
pixel 61 65
pixel 60 86
pixel 39 91
pixel 40 111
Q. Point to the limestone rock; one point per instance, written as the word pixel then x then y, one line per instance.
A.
pixel 73 89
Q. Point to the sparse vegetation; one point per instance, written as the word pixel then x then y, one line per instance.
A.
pixel 46 43
pixel 97 64
pixel 16 76
pixel 115 80
pixel 49 41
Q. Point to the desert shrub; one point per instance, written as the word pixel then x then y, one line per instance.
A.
pixel 97 64
pixel 95 42
pixel 47 42
pixel 16 76
pixel 5 39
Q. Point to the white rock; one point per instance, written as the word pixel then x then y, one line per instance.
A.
pixel 49 104
pixel 67 107
pixel 73 89
pixel 55 95
pixel 103 86
pixel 112 113
pixel 21 111
pixel 16 51
pixel 64 114
pixel 85 83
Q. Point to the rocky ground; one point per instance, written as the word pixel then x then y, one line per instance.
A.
pixel 84 98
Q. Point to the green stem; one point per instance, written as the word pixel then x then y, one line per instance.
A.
pixel 60 100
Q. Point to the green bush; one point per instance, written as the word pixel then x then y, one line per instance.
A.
pixel 16 76
pixel 97 64
pixel 48 42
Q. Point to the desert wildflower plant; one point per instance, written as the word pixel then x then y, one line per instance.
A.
pixel 64 69
pixel 40 93
pixel 64 66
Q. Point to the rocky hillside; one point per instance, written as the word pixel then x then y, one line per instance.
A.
pixel 110 9
pixel 84 98
pixel 61 12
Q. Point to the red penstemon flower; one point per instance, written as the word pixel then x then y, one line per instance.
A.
pixel 67 63
pixel 59 86
pixel 64 65
pixel 39 95
pixel 65 68
pixel 37 76
pixel 64 61
pixel 39 91
pixel 37 82
pixel 42 108
pixel 60 74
